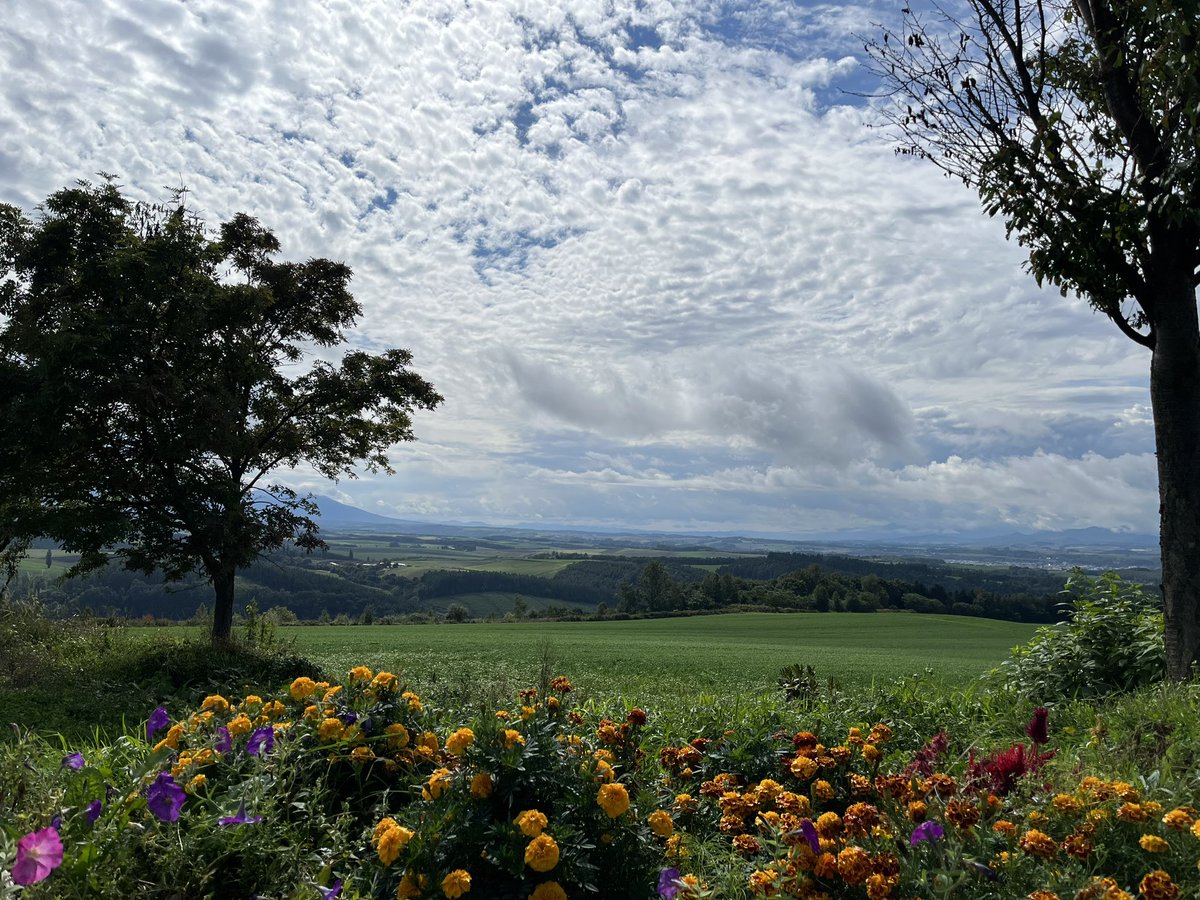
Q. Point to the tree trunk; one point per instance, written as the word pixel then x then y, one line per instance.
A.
pixel 222 582
pixel 1175 398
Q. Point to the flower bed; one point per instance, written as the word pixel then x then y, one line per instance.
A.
pixel 359 790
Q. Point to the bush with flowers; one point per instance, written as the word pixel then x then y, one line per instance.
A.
pixel 364 789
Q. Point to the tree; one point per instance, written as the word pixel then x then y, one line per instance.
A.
pixel 162 375
pixel 1079 123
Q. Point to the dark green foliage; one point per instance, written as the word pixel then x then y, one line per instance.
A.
pixel 145 365
pixel 1112 643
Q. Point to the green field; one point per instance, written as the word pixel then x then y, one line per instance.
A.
pixel 672 659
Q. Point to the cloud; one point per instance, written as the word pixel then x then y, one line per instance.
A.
pixel 648 251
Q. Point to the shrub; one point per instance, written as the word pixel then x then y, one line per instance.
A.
pixel 1112 643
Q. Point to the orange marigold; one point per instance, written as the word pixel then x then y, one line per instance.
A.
pixel 1157 885
pixel 1038 843
pixel 962 813
pixel 762 883
pixel 532 822
pixel 613 799
pixel 854 865
pixel 456 884
pixel 541 854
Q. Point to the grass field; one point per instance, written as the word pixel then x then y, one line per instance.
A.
pixel 673 659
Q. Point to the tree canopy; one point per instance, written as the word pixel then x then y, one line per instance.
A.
pixel 1078 122
pixel 155 376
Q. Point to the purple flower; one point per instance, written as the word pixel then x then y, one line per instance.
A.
pixel 38 854
pixel 92 811
pixel 334 890
pixel 348 718
pixel 224 740
pixel 1037 728
pixel 165 798
pixel 261 741
pixel 159 719
pixel 667 888
pixel 926 831
pixel 74 761
pixel 810 834
pixel 241 818
pixel 983 870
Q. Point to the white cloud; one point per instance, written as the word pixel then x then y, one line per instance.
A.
pixel 647 250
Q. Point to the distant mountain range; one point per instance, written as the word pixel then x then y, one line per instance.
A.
pixel 336 515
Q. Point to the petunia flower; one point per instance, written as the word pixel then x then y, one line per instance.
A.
pixel 165 798
pixel 224 740
pixel 261 741
pixel 810 834
pixel 74 761
pixel 667 888
pixel 926 831
pixel 92 811
pixel 159 719
pixel 334 890
pixel 38 854
pixel 241 818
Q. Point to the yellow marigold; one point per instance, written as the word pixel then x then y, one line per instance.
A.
pixel 541 854
pixel 731 824
pixel 215 702
pixel 1102 889
pixel 398 736
pixel 392 843
pixel 513 737
pixel 411 886
pixel 797 804
pixel 879 886
pixel 302 687
pixel 331 692
pixel 917 811
pixel 1157 885
pixel 1038 843
pixel 686 803
pixel 311 711
pixel 1004 827
pixel 553 704
pixel 548 890
pixel 604 771
pixel 854 865
pixel 456 884
pixel 481 786
pixel 384 681
pixel 361 673
pixel 362 754
pixel 762 883
pixel 459 741
pixel 823 790
pixel 880 734
pixel 240 724
pixel 674 850
pixel 429 741
pixel 196 783
pixel 1196 829
pixel 747 845
pixel 803 767
pixel 382 826
pixel 330 729
pixel 613 798
pixel 528 712
pixel 1133 812
pixel 870 753
pixel 1067 804
pixel 532 822
pixel 826 865
pixel 172 739
pixel 829 824
pixel 661 823
pixel 1180 818
pixel 413 701
pixel 439 782
pixel 1043 895
pixel 1152 843
pixel 274 709
pixel 1037 819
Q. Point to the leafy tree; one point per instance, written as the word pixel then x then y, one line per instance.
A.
pixel 1079 123
pixel 161 375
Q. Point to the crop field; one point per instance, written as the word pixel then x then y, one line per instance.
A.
pixel 672 660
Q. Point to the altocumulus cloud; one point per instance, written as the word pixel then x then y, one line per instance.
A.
pixel 648 251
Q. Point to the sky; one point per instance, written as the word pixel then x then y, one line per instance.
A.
pixel 651 254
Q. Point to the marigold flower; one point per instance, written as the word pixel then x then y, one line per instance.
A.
pixel 456 884
pixel 330 729
pixel 215 702
pixel 1157 885
pixel 361 673
pixel 541 854
pixel 302 687
pixel 532 822
pixel 196 783
pixel 411 886
pixel 604 771
pixel 1004 827
pixel 829 824
pixel 1038 843
pixel 1133 812
pixel 362 754
pixel 382 826
pixel 1043 895
pixel 1078 845
pixel 439 782
pixel 1196 829
pixel 879 886
pixel 796 804
pixel 636 717
pixel 686 803
pixel 823 790
pixel 870 753
pixel 917 811
pixel 513 737
pixel 962 813
pixel 661 823
pixel 459 741
pixel 762 883
pixel 171 741
pixel 398 736
pixel 384 682
pixel 1180 818
pixel 854 865
pixel 1152 843
pixel 413 701
pixel 613 799
pixel 746 844
pixel 860 818
pixel 803 767
pixel 826 865
pixel 880 734
pixel 392 843
pixel 548 890
pixel 481 786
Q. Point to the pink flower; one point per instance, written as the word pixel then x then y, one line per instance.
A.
pixel 38 854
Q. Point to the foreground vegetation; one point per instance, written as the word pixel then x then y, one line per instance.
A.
pixel 360 786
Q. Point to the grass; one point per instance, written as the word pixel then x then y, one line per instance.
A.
pixel 673 659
